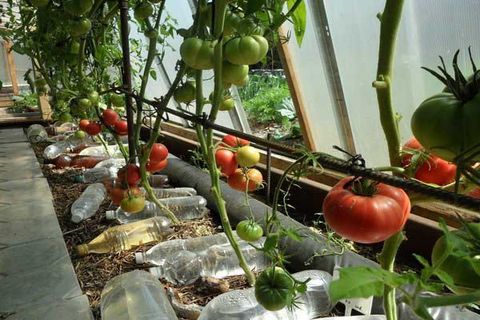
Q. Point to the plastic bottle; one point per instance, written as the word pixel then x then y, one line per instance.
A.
pixel 127 236
pixel 174 192
pixel 88 202
pixel 158 180
pixel 95 174
pixel 158 253
pixel 219 261
pixel 36 133
pixel 56 149
pixel 242 304
pixel 184 208
pixel 135 295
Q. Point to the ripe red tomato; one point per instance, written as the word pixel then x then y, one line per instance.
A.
pixel 132 174
pixel 238 180
pixel 475 193
pixel 156 166
pixel 121 127
pixel 365 218
pixel 234 142
pixel 83 124
pixel 93 128
pixel 225 160
pixel 110 117
pixel 433 169
pixel 158 153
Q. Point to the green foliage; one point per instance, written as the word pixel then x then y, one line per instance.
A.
pixel 24 102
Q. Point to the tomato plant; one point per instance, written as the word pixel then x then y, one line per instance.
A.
pixel 118 100
pixel 158 152
pixel 143 10
pixel 238 180
pixel 246 50
pixel 197 53
pixel 133 203
pixel 365 212
pixel 80 27
pixel 93 128
pixel 429 168
pixel 232 141
pixel 274 289
pixel 460 262
pixel 227 104
pixel 110 117
pixel 225 159
pixel 249 230
pixel 77 7
pixel 247 156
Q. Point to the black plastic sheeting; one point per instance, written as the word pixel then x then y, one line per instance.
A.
pixel 183 174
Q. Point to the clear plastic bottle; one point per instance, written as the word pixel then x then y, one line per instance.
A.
pixel 161 193
pixel 158 253
pixel 36 133
pixel 242 304
pixel 219 261
pixel 135 295
pixel 88 202
pixel 56 149
pixel 184 208
pixel 95 174
pixel 158 180
pixel 127 236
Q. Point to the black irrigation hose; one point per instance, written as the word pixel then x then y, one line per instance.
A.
pixel 327 161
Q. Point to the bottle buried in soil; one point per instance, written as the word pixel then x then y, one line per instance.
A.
pixel 127 236
pixel 135 295
pixel 158 180
pixel 161 193
pixel 242 304
pixel 158 253
pixel 36 133
pixel 219 261
pixel 88 202
pixel 184 208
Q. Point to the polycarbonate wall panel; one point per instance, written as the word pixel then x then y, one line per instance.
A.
pixel 429 28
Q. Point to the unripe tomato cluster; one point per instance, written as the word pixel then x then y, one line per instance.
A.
pixel 234 152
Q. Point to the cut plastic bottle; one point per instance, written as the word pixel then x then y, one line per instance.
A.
pixel 88 202
pixel 135 295
pixel 184 208
pixel 127 236
pixel 242 304
pixel 219 261
pixel 95 174
pixel 161 193
pixel 36 133
pixel 158 253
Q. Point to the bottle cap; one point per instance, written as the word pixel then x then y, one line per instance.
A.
pixel 139 257
pixel 76 218
pixel 156 272
pixel 82 250
pixel 110 214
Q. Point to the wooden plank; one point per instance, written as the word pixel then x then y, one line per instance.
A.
pixel 12 69
pixel 45 107
pixel 296 92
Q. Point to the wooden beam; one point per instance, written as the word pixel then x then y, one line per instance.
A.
pixel 45 107
pixel 295 91
pixel 12 69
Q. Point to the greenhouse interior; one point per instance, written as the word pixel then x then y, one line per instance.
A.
pixel 239 159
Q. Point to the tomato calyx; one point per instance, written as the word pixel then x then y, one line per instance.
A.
pixel 362 186
pixel 464 89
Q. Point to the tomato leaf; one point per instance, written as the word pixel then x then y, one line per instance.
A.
pixel 254 5
pixel 153 74
pixel 292 234
pixel 271 242
pixel 363 282
pixel 299 18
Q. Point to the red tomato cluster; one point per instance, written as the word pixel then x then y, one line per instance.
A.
pixel 157 160
pixel 432 169
pixel 125 191
pixel 234 151
pixel 110 118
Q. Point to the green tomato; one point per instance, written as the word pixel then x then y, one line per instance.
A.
pixel 274 289
pixel 80 27
pixel 65 117
pixel 94 97
pixel 234 73
pixel 77 7
pixel 79 134
pixel 198 53
pixel 232 20
pixel 463 270
pixel 247 156
pixel 75 47
pixel 40 3
pixel 246 50
pixel 143 10
pixel 446 126
pixel 84 103
pixel 250 27
pixel 185 93
pixel 249 230
pixel 227 105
